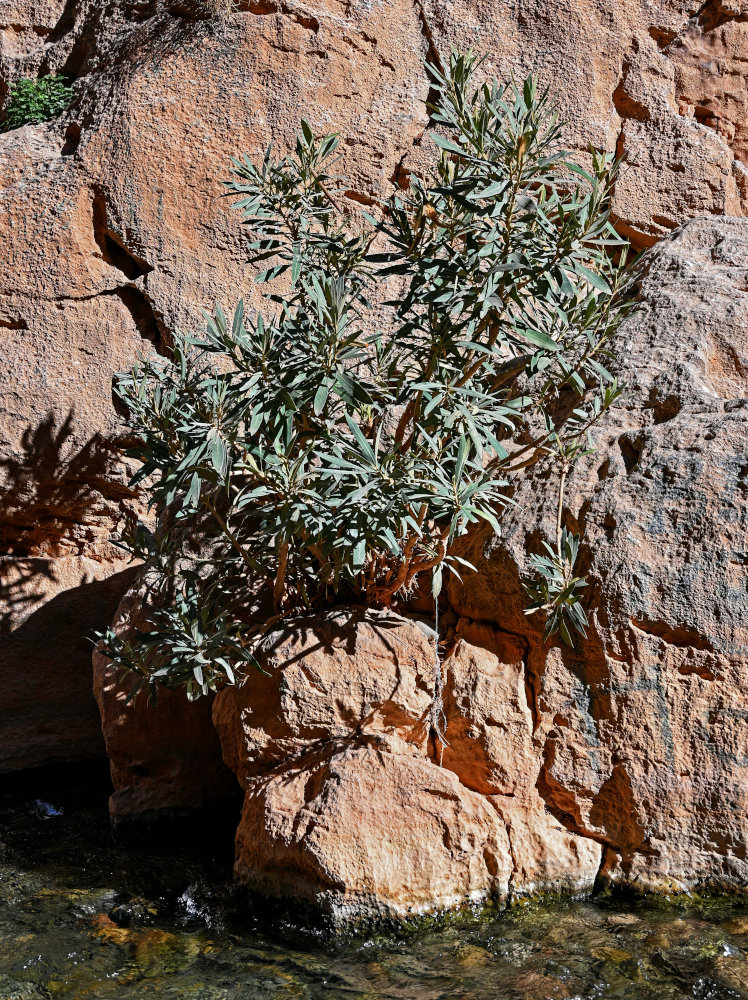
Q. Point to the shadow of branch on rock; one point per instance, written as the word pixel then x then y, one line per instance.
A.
pixel 55 498
pixel 52 488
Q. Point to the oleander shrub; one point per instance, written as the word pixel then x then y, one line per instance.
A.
pixel 308 454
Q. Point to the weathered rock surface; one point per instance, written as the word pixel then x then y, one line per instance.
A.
pixel 641 730
pixel 347 804
pixel 682 100
pixel 165 757
pixel 493 747
pixel 114 231
pixel 623 760
pixel 62 488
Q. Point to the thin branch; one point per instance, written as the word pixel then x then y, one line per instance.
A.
pixel 560 507
pixel 250 562
pixel 280 576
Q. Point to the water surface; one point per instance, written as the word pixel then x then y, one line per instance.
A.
pixel 82 917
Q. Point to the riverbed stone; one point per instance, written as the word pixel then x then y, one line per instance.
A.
pixel 13 989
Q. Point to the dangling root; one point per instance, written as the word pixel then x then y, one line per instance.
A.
pixel 437 718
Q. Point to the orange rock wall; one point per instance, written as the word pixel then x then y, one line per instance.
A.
pixel 641 728
pixel 114 232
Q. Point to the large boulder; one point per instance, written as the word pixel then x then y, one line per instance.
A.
pixel 114 231
pixel 165 757
pixel 349 805
pixel 641 729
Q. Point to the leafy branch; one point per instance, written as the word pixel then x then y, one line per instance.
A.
pixel 300 455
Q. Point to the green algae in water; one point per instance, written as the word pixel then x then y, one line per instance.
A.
pixel 83 917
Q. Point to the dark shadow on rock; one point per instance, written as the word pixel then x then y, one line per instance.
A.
pixel 46 698
pixel 54 499
pixel 336 625
pixel 52 488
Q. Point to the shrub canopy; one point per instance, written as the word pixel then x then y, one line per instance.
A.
pixel 327 448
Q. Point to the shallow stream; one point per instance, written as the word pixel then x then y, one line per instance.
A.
pixel 82 917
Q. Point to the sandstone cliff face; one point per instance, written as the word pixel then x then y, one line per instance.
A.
pixel 682 100
pixel 114 231
pixel 641 730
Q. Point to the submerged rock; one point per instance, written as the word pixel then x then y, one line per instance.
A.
pixel 134 912
pixel 12 989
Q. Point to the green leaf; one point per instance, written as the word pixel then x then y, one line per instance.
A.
pixel 446 144
pixel 538 338
pixel 320 397
pixel 364 445
pixel 596 280
pixel 219 456
pixel 296 264
pixel 193 494
pixel 499 187
pixel 359 554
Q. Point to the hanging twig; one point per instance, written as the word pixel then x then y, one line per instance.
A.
pixel 559 510
pixel 437 717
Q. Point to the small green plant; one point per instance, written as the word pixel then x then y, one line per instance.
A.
pixel 317 454
pixel 34 101
pixel 554 588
